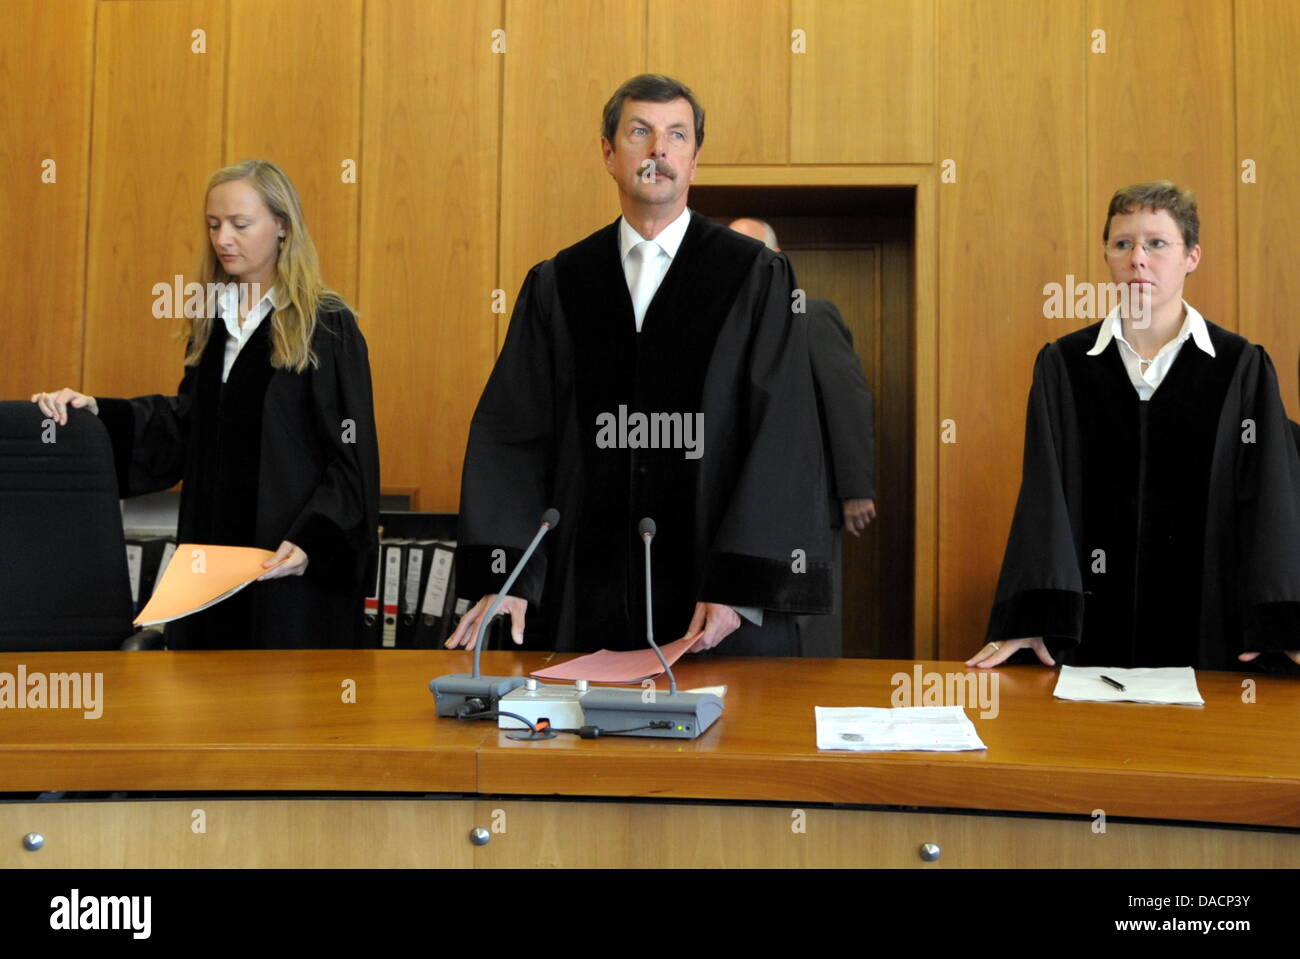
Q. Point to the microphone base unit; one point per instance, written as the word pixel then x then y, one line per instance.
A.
pixel 557 703
pixel 665 716
pixel 452 691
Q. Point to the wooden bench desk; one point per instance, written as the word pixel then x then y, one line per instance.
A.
pixel 217 732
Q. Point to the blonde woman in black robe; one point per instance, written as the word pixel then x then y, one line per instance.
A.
pixel 271 430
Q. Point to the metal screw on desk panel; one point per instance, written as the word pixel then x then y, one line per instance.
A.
pixel 33 841
pixel 530 684
pixel 930 851
pixel 581 685
pixel 479 836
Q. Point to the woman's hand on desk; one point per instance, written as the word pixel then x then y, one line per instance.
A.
pixel 466 633
pixel 995 654
pixel 1293 653
pixel 294 562
pixel 55 405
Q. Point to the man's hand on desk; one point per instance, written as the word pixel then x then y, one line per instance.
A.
pixel 717 622
pixel 467 630
pixel 994 654
pixel 1293 653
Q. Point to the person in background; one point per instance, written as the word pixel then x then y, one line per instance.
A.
pixel 844 408
pixel 271 430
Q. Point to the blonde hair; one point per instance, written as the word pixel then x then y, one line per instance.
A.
pixel 299 287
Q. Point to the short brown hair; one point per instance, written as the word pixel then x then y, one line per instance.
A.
pixel 652 88
pixel 1178 202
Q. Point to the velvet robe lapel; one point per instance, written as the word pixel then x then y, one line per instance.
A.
pixel 680 327
pixel 1146 468
pixel 662 369
pixel 229 436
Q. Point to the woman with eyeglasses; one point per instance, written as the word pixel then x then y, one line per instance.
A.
pixel 1158 522
pixel 272 429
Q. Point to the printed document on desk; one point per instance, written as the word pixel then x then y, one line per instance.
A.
pixel 903 728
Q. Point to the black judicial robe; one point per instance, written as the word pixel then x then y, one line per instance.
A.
pixel 1152 533
pixel 744 524
pixel 265 457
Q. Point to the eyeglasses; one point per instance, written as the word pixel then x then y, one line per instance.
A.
pixel 1154 247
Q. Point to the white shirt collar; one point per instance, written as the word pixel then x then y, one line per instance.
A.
pixel 1193 325
pixel 228 305
pixel 669 238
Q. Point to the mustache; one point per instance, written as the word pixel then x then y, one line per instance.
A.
pixel 650 167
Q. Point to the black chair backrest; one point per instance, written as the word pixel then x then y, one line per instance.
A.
pixel 63 574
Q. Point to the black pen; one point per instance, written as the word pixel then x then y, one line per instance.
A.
pixel 1110 682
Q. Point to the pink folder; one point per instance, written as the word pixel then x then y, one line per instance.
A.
pixel 606 666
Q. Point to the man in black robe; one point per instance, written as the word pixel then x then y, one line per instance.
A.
pixel 675 387
pixel 1158 522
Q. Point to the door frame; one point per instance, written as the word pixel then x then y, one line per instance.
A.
pixel 925 329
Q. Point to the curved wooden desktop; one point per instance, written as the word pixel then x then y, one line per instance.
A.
pixel 1068 784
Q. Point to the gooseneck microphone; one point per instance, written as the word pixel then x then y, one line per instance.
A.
pixel 643 712
pixel 647 531
pixel 461 693
pixel 550 519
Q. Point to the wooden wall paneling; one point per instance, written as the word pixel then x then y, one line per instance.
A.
pixel 896 391
pixel 735 57
pixel 156 138
pixel 1160 107
pixel 1041 129
pixel 1268 210
pixel 925 431
pixel 1011 90
pixel 294 97
pixel 46 58
pixel 566 57
pixel 858 175
pixel 430 152
pixel 864 90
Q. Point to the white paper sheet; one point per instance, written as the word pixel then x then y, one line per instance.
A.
pixel 874 729
pixel 1163 685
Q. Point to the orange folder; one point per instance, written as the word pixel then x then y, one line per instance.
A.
pixel 200 576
